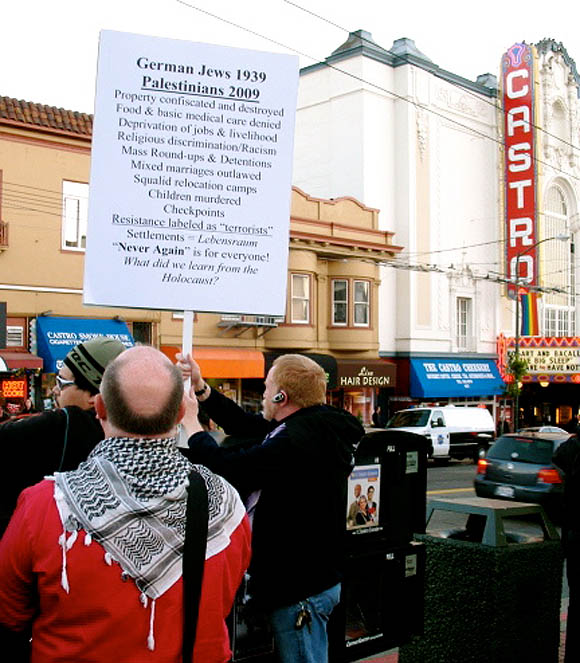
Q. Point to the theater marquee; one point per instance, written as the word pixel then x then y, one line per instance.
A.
pixel 549 359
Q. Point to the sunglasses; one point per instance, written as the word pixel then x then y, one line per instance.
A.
pixel 62 383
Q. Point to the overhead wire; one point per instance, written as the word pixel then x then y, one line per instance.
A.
pixel 397 96
pixel 397 56
pixel 430 110
pixel 57 203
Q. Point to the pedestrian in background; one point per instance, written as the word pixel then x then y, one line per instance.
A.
pixel 378 417
pixel 58 439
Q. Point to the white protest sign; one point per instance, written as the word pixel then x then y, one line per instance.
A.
pixel 190 184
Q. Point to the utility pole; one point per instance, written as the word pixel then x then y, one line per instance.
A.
pixel 563 237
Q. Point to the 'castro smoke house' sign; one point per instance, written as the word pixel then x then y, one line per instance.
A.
pixel 365 374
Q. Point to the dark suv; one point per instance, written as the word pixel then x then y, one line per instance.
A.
pixel 518 466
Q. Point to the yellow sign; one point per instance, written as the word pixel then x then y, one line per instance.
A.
pixel 551 360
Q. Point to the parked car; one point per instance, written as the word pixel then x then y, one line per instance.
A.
pixel 453 431
pixel 542 429
pixel 519 467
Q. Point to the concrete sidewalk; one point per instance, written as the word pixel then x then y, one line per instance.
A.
pixel 392 656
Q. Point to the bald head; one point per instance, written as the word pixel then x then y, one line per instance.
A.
pixel 142 392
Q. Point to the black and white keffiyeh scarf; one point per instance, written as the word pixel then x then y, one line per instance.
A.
pixel 130 496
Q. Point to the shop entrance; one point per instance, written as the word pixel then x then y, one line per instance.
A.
pixel 554 404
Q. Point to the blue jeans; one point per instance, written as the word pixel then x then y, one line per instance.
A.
pixel 310 643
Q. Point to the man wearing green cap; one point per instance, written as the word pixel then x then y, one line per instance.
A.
pixel 57 440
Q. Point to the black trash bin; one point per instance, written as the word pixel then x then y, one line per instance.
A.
pixel 488 599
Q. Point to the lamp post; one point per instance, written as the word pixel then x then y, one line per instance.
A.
pixel 563 237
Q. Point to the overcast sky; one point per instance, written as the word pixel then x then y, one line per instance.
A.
pixel 48 50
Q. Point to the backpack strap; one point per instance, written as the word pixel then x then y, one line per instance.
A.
pixel 194 547
pixel 65 440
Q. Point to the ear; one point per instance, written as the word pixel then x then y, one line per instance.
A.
pixel 100 407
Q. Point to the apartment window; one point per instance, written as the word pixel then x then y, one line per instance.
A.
pixel 300 299
pixel 351 303
pixel 14 336
pixel 557 309
pixel 75 203
pixel 340 302
pixel 361 303
pixel 464 323
pixel 559 322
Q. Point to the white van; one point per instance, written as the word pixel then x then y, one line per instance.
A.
pixel 454 432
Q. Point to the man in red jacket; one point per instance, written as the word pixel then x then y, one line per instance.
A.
pixel 92 558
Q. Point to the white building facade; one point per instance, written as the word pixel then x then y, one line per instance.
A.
pixel 425 147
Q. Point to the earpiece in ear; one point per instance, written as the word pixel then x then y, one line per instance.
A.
pixel 279 397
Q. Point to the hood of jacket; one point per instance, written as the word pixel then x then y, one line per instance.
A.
pixel 336 430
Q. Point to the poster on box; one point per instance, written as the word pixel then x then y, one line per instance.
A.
pixel 363 497
pixel 190 181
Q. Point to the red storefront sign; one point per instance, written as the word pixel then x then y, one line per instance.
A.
pixel 13 388
pixel 520 166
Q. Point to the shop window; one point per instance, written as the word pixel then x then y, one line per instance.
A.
pixel 75 203
pixel 351 302
pixel 300 299
pixel 464 319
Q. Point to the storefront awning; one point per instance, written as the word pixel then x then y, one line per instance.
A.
pixel 327 362
pixel 55 337
pixel 224 362
pixel 10 361
pixel 454 377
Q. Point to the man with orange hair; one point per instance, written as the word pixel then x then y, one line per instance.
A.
pixel 300 442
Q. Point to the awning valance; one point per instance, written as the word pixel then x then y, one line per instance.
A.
pixel 454 377
pixel 55 337
pixel 10 361
pixel 224 362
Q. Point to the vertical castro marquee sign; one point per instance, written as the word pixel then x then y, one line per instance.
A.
pixel 520 166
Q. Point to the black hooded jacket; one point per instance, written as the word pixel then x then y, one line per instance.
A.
pixel 41 444
pixel 300 466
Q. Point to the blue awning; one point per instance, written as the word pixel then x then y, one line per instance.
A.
pixel 56 336
pixel 452 377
